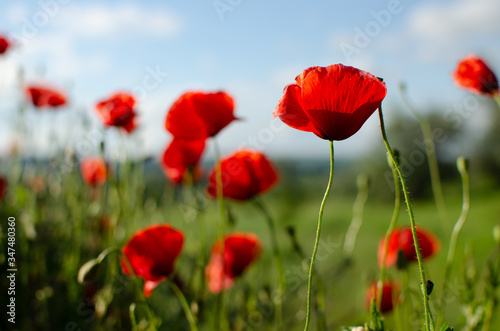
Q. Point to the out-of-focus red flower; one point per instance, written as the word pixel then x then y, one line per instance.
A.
pixel 401 239
pixel 199 115
pixel 474 75
pixel 94 171
pixel 332 102
pixel 118 110
pixel 42 97
pixel 182 155
pixel 240 250
pixel 3 187
pixel 244 175
pixel 151 253
pixel 4 44
pixel 389 292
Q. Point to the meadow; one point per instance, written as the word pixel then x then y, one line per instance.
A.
pixel 59 226
pixel 95 237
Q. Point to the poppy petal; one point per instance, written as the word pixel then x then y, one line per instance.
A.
pixel 339 99
pixel 180 155
pixel 245 174
pixel 152 252
pixel 94 171
pixel 240 250
pixel 289 110
pixel 473 74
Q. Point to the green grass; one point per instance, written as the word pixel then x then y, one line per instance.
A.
pixel 60 228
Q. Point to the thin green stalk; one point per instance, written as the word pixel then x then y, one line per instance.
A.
pixel 462 168
pixel 131 312
pixel 429 323
pixel 316 242
pixel 185 305
pixel 222 229
pixel 277 260
pixel 394 220
pixel 139 292
pixel 430 150
pixel 492 300
pixel 357 216
pixel 496 96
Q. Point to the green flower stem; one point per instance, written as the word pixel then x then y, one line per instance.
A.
pixel 222 229
pixel 429 323
pixel 430 150
pixel 462 168
pixel 357 216
pixel 277 260
pixel 139 292
pixel 392 225
pixel 131 312
pixel 316 242
pixel 185 305
pixel 496 96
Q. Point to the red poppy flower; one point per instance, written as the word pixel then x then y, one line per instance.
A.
pixel 151 253
pixel 474 75
pixel 180 156
pixel 118 111
pixel 389 292
pixel 3 187
pixel 4 44
pixel 240 250
pixel 93 171
pixel 332 102
pixel 244 175
pixel 401 239
pixel 42 97
pixel 199 115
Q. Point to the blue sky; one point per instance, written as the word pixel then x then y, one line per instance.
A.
pixel 252 49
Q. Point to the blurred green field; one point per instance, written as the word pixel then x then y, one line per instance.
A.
pixel 63 224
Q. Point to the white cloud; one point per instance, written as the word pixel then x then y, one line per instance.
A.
pixel 99 20
pixel 455 21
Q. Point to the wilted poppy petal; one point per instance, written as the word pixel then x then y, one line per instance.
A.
pixel 152 252
pixel 245 174
pixel 474 75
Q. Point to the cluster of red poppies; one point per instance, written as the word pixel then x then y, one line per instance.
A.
pixel 151 254
pixel 332 102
